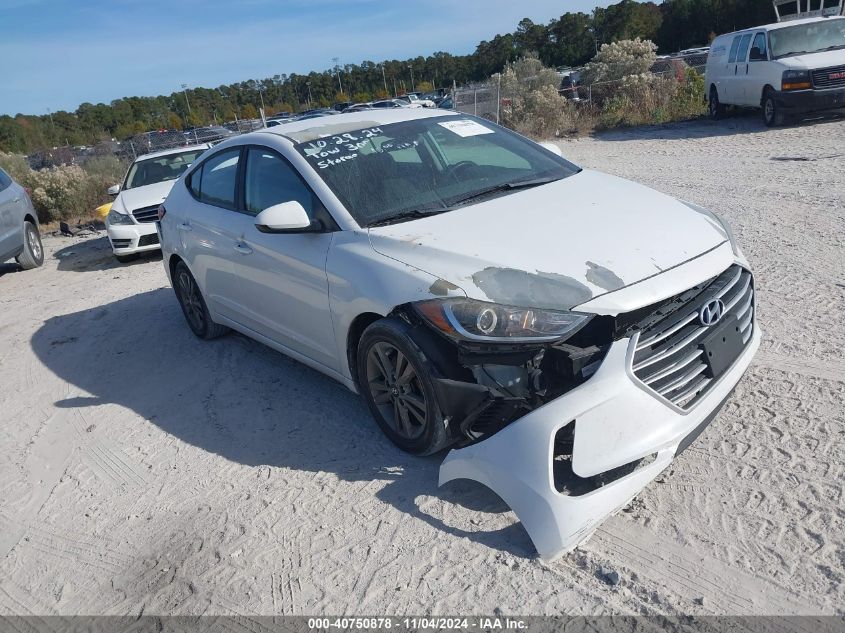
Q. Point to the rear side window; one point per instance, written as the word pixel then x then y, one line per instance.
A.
pixel 214 182
pixel 744 45
pixel 734 49
pixel 5 181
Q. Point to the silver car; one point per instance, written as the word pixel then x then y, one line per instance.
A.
pixel 19 236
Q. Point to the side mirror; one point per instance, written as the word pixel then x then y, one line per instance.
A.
pixel 114 190
pixel 287 217
pixel 757 55
pixel 552 147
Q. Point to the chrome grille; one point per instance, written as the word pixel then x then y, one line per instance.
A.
pixel 668 357
pixel 146 214
pixel 829 77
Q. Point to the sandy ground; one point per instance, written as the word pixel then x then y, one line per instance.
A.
pixel 143 470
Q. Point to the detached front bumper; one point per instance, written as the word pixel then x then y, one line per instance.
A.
pixel 127 239
pixel 812 100
pixel 618 421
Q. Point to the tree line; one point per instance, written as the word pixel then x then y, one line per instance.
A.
pixel 570 40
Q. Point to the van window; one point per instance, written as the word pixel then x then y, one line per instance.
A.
pixel 734 49
pixel 744 45
pixel 760 44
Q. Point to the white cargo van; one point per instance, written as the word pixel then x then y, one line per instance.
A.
pixel 787 68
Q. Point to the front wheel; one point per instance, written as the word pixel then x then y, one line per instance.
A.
pixel 395 379
pixel 33 251
pixel 773 115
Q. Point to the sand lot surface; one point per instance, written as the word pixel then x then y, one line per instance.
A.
pixel 145 471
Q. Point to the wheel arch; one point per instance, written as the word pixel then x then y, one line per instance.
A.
pixel 766 89
pixel 353 337
pixel 29 217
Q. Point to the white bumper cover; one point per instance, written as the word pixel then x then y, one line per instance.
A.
pixel 125 238
pixel 617 421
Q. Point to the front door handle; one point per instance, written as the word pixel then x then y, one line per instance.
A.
pixel 243 249
pixel 184 227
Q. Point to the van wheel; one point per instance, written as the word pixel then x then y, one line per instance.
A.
pixel 33 252
pixel 773 115
pixel 717 110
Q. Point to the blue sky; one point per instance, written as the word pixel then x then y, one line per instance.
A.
pixel 60 53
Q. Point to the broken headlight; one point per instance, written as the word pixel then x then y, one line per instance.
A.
pixel 473 320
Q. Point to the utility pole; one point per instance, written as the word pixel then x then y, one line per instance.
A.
pixel 384 77
pixel 337 70
pixel 52 125
pixel 308 83
pixel 413 85
pixel 261 95
pixel 188 103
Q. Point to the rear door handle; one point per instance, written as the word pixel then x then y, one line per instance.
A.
pixel 243 249
pixel 184 227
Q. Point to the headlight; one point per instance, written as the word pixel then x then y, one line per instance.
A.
pixel 796 80
pixel 115 218
pixel 473 320
pixel 720 222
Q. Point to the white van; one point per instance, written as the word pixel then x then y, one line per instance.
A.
pixel 786 69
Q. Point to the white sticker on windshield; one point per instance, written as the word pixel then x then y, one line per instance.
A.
pixel 465 127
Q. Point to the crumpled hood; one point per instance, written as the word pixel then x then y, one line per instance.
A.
pixel 130 199
pixel 814 61
pixel 555 246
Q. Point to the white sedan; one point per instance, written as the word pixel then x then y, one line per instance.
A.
pixel 566 333
pixel 130 223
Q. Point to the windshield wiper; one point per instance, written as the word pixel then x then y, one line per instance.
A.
pixel 508 186
pixel 413 214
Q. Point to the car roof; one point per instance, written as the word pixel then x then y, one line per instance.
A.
pixel 174 150
pixel 350 121
pixel 782 25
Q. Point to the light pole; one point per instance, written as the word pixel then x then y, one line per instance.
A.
pixel 337 70
pixel 383 77
pixel 188 103
pixel 413 85
pixel 308 83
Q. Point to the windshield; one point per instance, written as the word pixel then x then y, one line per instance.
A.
pixel 425 165
pixel 815 37
pixel 153 170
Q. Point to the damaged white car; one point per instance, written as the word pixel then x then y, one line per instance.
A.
pixel 564 332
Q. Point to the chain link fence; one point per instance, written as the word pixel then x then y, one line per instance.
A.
pixel 490 102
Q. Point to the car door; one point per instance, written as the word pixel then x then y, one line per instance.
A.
pixel 282 287
pixel 208 229
pixel 10 233
pixel 756 70
pixel 741 69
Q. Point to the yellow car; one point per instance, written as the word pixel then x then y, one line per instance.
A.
pixel 103 210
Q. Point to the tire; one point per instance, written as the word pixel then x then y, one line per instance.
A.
pixel 125 259
pixel 394 376
pixel 773 115
pixel 717 110
pixel 33 251
pixel 193 305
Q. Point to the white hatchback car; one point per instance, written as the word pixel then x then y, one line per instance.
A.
pixel 565 332
pixel 130 223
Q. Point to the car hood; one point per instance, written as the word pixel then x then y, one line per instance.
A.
pixel 129 200
pixel 814 61
pixel 555 246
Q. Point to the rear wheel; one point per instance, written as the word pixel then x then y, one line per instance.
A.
pixel 395 380
pixel 193 305
pixel 717 110
pixel 33 251
pixel 773 114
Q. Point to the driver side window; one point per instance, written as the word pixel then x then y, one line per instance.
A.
pixel 758 48
pixel 271 180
